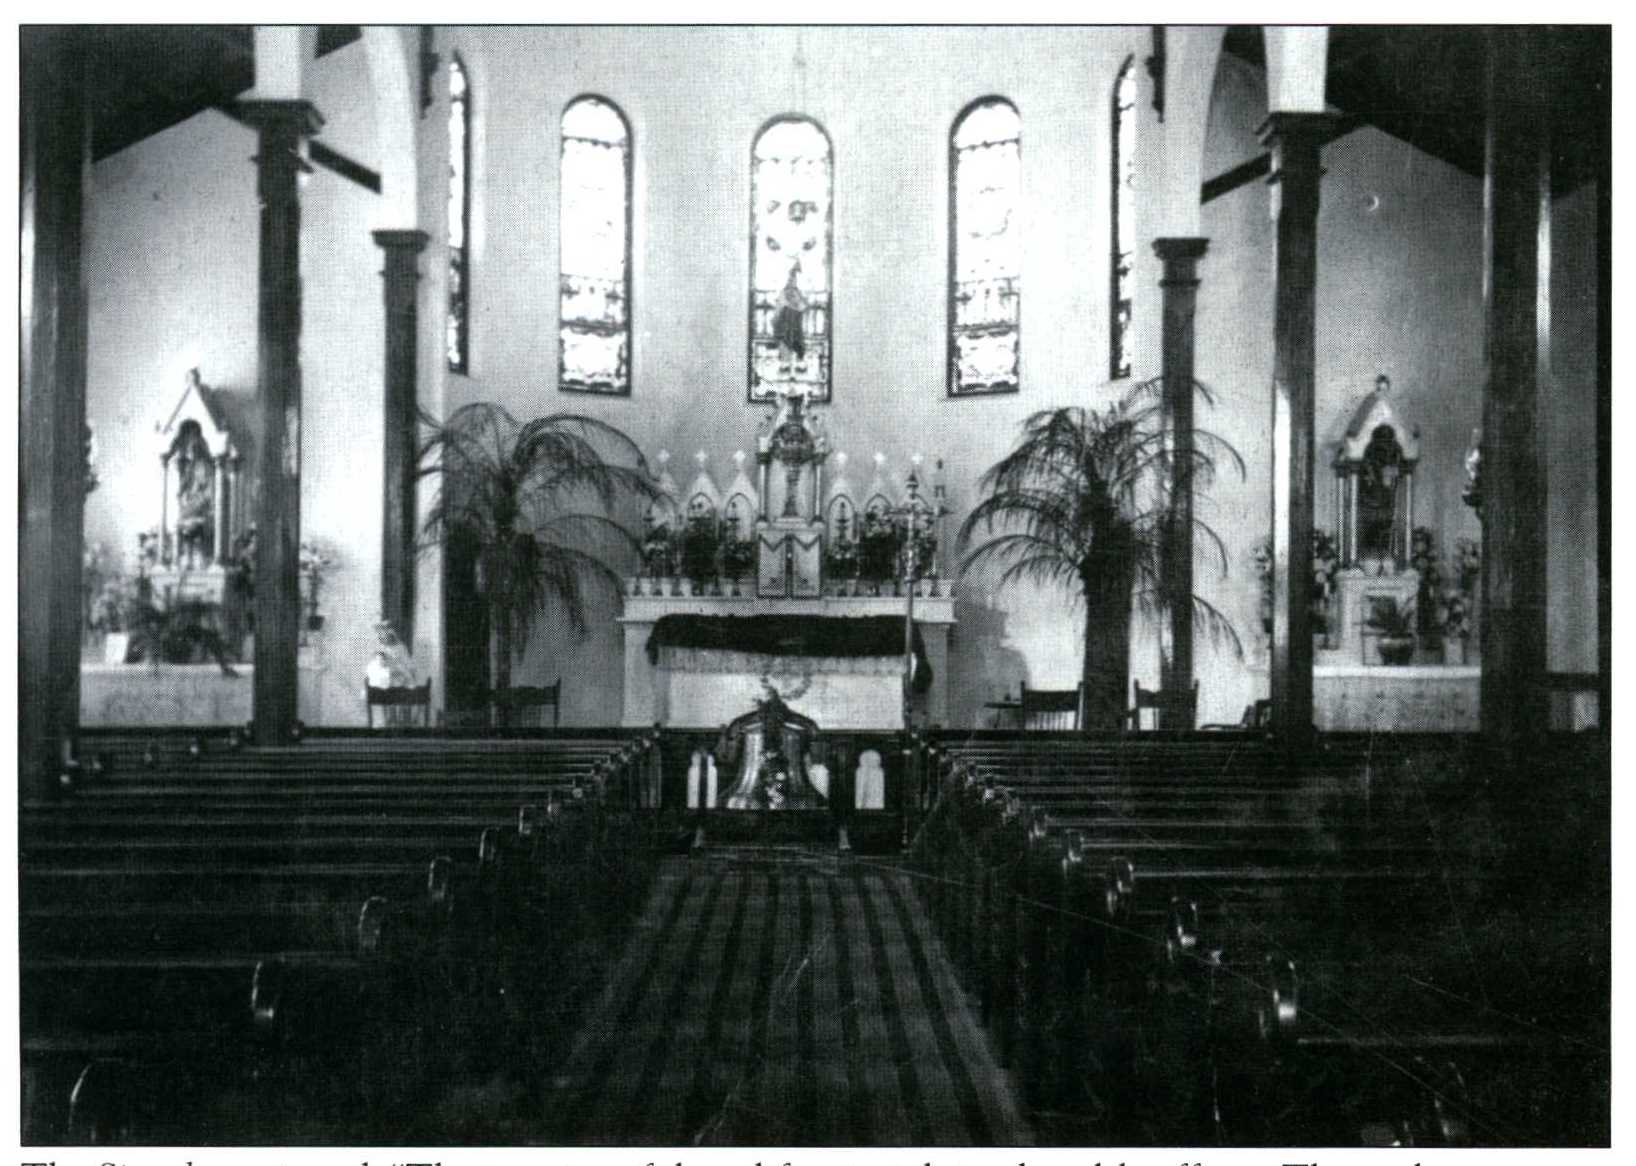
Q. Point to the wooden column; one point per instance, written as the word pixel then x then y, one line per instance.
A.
pixel 1517 258
pixel 1604 409
pixel 55 148
pixel 1294 141
pixel 402 418
pixel 1180 287
pixel 281 125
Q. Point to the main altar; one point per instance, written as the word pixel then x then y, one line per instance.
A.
pixel 794 578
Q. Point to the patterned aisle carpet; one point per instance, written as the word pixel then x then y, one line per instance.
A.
pixel 780 998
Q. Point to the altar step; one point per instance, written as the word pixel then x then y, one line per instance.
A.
pixel 868 832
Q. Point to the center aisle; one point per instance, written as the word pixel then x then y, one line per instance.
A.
pixel 780 998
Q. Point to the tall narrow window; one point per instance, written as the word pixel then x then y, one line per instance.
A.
pixel 791 184
pixel 985 248
pixel 1123 221
pixel 456 329
pixel 594 291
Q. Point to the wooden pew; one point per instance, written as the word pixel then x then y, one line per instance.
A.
pixel 176 896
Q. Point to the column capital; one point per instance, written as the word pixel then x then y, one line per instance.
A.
pixel 1180 255
pixel 1290 127
pixel 295 114
pixel 412 240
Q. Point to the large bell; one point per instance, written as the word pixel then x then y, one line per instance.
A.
pixel 773 779
pixel 767 750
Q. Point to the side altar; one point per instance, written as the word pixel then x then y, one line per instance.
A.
pixel 832 595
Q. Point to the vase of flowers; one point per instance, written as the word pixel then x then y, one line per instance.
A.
pixel 877 550
pixel 841 564
pixel 1261 556
pixel 313 563
pixel 1423 558
pixel 1456 627
pixel 738 558
pixel 656 556
pixel 111 617
pixel 1326 559
pixel 700 539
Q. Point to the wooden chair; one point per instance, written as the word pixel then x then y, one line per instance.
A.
pixel 1171 709
pixel 1050 709
pixel 524 707
pixel 406 699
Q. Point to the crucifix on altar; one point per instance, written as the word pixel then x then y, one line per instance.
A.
pixel 790 527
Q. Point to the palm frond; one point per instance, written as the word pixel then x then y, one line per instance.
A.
pixel 1083 500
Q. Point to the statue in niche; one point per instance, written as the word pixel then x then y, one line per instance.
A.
pixel 195 497
pixel 767 747
pixel 1377 496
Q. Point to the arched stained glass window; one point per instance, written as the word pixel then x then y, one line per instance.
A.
pixel 1123 221
pixel 985 260
pixel 594 349
pixel 456 327
pixel 791 185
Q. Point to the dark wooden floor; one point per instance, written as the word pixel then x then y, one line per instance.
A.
pixel 779 997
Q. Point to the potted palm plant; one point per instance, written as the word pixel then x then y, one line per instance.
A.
pixel 1395 624
pixel 542 498
pixel 1080 504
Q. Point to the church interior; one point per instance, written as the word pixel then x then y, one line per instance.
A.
pixel 564 599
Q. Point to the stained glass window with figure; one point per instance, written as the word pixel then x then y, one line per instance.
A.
pixel 594 344
pixel 985 292
pixel 791 184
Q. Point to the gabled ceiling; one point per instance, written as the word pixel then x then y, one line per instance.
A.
pixel 1423 84
pixel 145 78
pixel 1427 86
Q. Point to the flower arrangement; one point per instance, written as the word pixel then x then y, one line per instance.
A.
pixel 925 545
pixel 877 547
pixel 700 539
pixel 1468 565
pixel 313 561
pixel 1423 558
pixel 242 563
pixel 96 566
pixel 1394 621
pixel 1395 624
pixel 738 556
pixel 657 546
pixel 150 547
pixel 1261 556
pixel 1326 560
pixel 112 607
pixel 1456 615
